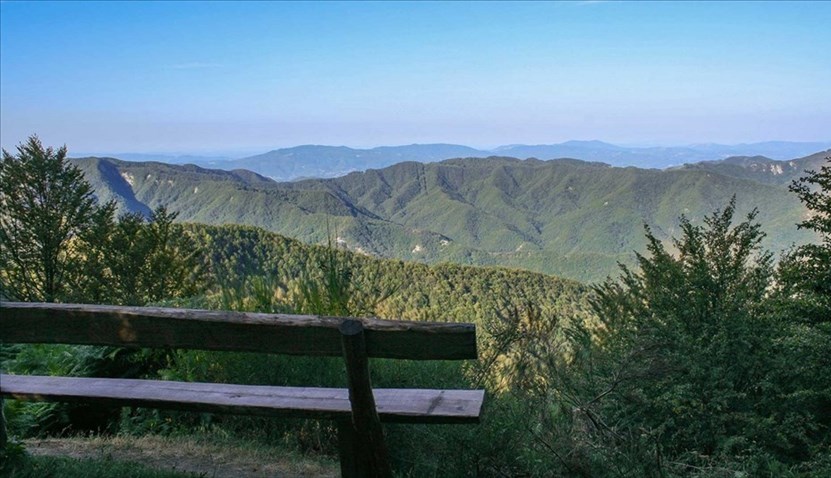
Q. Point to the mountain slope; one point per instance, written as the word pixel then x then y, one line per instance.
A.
pixel 541 210
pixel 659 157
pixel 330 161
pixel 762 169
pixel 314 161
pixel 421 292
pixel 565 217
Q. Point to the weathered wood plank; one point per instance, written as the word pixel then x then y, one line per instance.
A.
pixel 373 457
pixel 393 405
pixel 232 331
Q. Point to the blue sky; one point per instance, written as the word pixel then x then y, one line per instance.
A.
pixel 205 77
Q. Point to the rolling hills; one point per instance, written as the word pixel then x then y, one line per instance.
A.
pixel 762 169
pixel 316 161
pixel 571 218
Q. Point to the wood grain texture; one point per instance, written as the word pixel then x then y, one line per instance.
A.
pixel 393 405
pixel 231 331
pixel 373 456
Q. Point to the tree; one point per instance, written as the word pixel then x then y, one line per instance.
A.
pixel 135 261
pixel 680 369
pixel 805 272
pixel 45 203
pixel 174 265
pixel 92 281
pixel 802 302
pixel 331 288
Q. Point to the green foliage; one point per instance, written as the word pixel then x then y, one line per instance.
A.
pixel 760 168
pixel 243 257
pixel 691 328
pixel 330 291
pixel 331 288
pixel 58 244
pixel 252 293
pixel 92 280
pixel 689 372
pixel 131 262
pixel 41 418
pixel 12 457
pixel 126 251
pixel 278 265
pixel 45 203
pixel 134 261
pixel 815 191
pixel 805 272
pixel 57 467
pixel 173 261
pixel 701 362
pixel 565 217
pixel 802 302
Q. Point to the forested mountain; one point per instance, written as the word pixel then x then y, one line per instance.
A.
pixel 315 161
pixel 203 160
pixel 763 169
pixel 707 353
pixel 658 156
pixel 312 161
pixel 565 217
pixel 442 292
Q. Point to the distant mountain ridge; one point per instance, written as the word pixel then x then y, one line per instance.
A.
pixel 762 169
pixel 316 161
pixel 312 161
pixel 168 158
pixel 570 218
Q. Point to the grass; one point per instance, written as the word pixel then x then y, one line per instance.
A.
pixel 49 466
pixel 163 457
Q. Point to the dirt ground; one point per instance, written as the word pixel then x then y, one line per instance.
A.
pixel 204 459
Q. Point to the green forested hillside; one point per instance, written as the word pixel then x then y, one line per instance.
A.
pixel 315 161
pixel 565 217
pixel 705 356
pixel 762 169
pixel 319 161
pixel 442 292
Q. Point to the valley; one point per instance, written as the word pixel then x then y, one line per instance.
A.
pixel 318 161
pixel 569 218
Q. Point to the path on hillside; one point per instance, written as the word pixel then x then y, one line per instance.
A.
pixel 208 460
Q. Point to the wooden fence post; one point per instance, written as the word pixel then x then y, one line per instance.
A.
pixel 4 434
pixel 369 447
pixel 4 437
pixel 347 449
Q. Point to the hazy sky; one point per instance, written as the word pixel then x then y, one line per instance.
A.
pixel 199 77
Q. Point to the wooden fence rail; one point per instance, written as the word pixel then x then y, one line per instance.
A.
pixel 358 410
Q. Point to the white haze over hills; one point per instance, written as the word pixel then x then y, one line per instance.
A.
pixel 317 161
